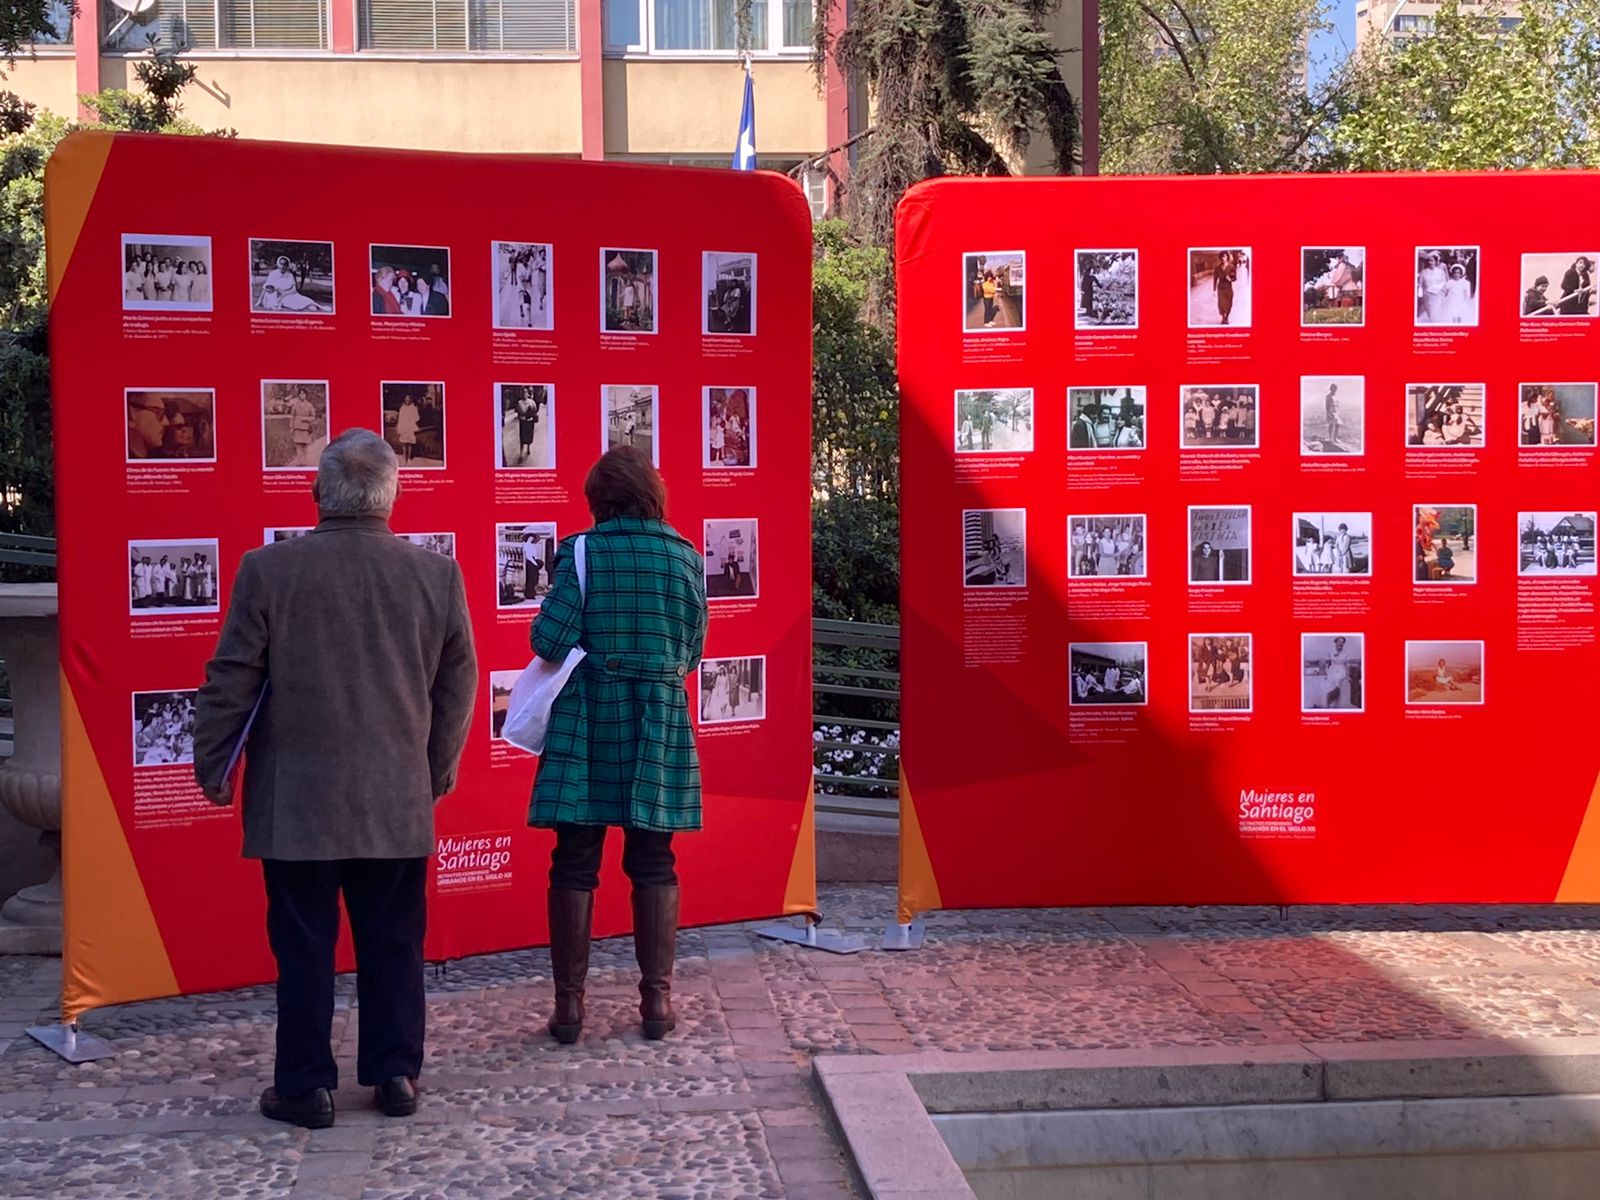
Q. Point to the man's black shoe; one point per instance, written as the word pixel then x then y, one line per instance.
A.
pixel 397 1097
pixel 314 1110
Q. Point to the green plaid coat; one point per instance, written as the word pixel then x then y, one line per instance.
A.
pixel 620 749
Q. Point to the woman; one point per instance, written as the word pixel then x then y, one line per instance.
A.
pixel 407 422
pixel 199 283
pixel 1431 284
pixel 164 281
pixel 527 426
pixel 990 291
pixel 280 291
pixel 532 564
pixel 1458 297
pixel 1222 277
pixel 621 749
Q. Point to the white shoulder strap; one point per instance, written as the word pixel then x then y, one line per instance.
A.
pixel 580 563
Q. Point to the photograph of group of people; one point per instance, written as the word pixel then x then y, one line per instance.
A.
pixel 995 547
pixel 1559 285
pixel 1557 414
pixel 628 291
pixel 1444 551
pixel 1337 544
pixel 1333 286
pixel 526 426
pixel 1219 545
pixel 1219 417
pixel 163 728
pixel 732 689
pixel 1556 543
pixel 1108 289
pixel 1105 418
pixel 994 299
pixel 729 283
pixel 728 423
pixel 628 414
pixel 1445 416
pixel 410 281
pixel 413 424
pixel 1447 285
pixel 1219 672
pixel 1108 673
pixel 1333 414
pixel 169 426
pixel 291 277
pixel 732 562
pixel 523 294
pixel 167 577
pixel 1444 672
pixel 294 423
pixel 166 273
pixel 994 421
pixel 1106 547
pixel 526 558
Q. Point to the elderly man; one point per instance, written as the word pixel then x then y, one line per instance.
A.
pixel 359 646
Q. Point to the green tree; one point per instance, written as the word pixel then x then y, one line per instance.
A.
pixel 23 22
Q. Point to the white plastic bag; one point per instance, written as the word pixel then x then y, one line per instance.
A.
pixel 534 694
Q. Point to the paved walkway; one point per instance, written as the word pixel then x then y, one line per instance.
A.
pixel 726 1107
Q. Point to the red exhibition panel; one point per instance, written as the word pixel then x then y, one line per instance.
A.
pixel 501 320
pixel 1249 539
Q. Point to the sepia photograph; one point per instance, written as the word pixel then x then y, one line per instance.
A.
pixel 500 685
pixel 1108 289
pixel 1219 672
pixel 524 285
pixel 728 283
pixel 291 278
pixel 1105 418
pixel 1445 416
pixel 1333 412
pixel 1333 544
pixel 732 568
pixel 172 426
pixel 1108 673
pixel 1332 286
pixel 1219 416
pixel 1106 547
pixel 165 273
pixel 1444 672
pixel 1447 285
pixel 728 428
pixel 994 421
pixel 732 689
pixel 526 557
pixel 163 728
pixel 438 543
pixel 1331 670
pixel 1556 543
pixel 1446 536
pixel 410 281
pixel 995 547
pixel 525 416
pixel 994 299
pixel 1559 286
pixel 413 424
pixel 628 291
pixel 173 577
pixel 1557 415
pixel 294 423
pixel 1219 545
pixel 1220 292
pixel 628 417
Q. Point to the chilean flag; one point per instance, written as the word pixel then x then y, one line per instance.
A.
pixel 744 151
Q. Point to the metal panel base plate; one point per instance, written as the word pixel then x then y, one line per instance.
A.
pixel 904 937
pixel 814 937
pixel 71 1043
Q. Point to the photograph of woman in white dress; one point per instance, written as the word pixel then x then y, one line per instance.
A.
pixel 291 277
pixel 413 424
pixel 1447 285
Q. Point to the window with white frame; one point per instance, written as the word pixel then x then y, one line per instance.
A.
pixel 218 25
pixel 57 29
pixel 491 26
pixel 706 26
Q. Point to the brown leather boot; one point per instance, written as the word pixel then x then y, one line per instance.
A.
pixel 570 915
pixel 655 943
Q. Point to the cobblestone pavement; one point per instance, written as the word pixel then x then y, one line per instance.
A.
pixel 726 1108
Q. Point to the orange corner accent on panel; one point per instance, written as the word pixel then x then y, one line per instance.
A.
pixel 71 178
pixel 800 894
pixel 1581 882
pixel 919 890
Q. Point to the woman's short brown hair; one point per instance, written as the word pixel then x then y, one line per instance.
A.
pixel 624 483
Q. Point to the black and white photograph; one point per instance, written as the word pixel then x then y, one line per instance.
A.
pixel 994 421
pixel 410 281
pixel 172 426
pixel 1556 415
pixel 1560 286
pixel 1219 545
pixel 1333 415
pixel 291 278
pixel 1333 286
pixel 728 288
pixel 165 272
pixel 995 547
pixel 732 689
pixel 628 291
pixel 1331 672
pixel 1446 543
pixel 500 685
pixel 733 568
pixel 163 728
pixel 523 276
pixel 1108 674
pixel 728 428
pixel 1219 416
pixel 1556 543
pixel 413 424
pixel 439 543
pixel 1105 418
pixel 1108 290
pixel 1220 288
pixel 1334 545
pixel 1444 673
pixel 994 299
pixel 1447 286
pixel 173 577
pixel 283 533
pixel 628 416
pixel 294 423
pixel 526 558
pixel 1220 672
pixel 1106 547
pixel 1445 416
pixel 525 426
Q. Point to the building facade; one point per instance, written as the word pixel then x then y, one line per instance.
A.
pixel 1397 20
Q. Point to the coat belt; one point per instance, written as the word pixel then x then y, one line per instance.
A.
pixel 652 668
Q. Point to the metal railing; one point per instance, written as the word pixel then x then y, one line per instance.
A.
pixel 27 550
pixel 856 678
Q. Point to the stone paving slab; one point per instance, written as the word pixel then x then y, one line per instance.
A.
pixel 727 1107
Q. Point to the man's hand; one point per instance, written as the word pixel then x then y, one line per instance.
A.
pixel 222 794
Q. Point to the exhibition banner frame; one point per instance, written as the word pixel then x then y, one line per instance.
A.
pixel 501 320
pixel 1248 539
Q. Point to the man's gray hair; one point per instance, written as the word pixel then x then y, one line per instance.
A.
pixel 357 475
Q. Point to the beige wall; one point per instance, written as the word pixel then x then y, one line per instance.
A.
pixel 692 108
pixel 51 83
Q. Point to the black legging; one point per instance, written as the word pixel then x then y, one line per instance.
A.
pixel 647 857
